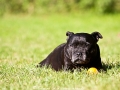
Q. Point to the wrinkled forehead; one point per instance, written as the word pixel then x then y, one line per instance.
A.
pixel 82 38
pixel 78 39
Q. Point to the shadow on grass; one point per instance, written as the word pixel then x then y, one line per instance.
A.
pixel 110 65
pixel 106 66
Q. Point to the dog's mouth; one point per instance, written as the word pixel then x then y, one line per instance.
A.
pixel 79 61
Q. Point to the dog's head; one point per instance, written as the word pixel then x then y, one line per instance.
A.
pixel 81 47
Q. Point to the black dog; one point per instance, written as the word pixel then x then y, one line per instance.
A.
pixel 80 50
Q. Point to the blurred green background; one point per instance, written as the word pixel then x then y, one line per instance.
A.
pixel 58 6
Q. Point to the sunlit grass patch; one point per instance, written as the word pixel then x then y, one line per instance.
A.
pixel 25 41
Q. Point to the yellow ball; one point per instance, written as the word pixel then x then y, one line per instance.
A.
pixel 92 70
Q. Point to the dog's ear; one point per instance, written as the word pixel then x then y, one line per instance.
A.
pixel 97 36
pixel 69 34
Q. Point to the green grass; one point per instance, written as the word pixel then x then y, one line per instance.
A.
pixel 25 41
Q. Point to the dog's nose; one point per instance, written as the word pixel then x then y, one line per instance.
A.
pixel 79 54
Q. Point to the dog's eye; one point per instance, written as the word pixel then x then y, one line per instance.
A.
pixel 75 44
pixel 70 45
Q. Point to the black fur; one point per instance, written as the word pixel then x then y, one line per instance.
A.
pixel 80 50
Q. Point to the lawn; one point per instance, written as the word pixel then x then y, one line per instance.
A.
pixel 27 40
